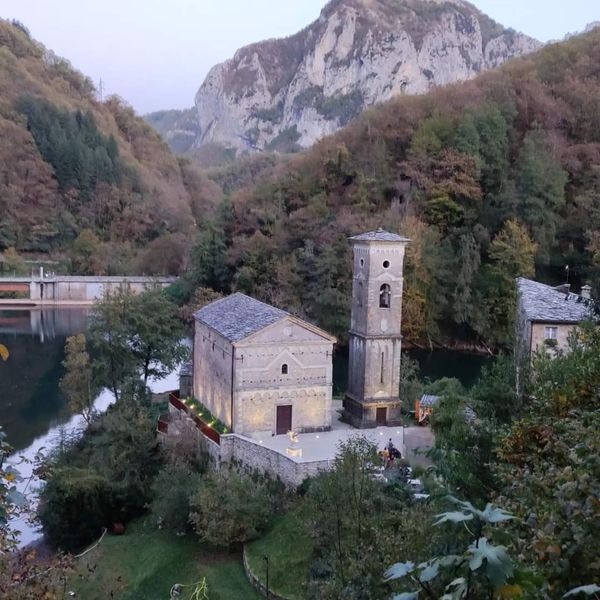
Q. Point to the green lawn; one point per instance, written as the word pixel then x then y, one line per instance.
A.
pixel 144 563
pixel 289 549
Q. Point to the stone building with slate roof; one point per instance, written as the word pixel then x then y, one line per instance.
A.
pixel 546 315
pixel 260 370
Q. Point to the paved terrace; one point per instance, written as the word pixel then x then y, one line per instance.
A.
pixel 324 445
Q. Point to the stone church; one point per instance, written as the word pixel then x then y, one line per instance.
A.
pixel 262 371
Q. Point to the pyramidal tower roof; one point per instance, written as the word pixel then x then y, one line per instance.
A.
pixel 379 235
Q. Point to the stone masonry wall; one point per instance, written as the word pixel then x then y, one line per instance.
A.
pixel 287 363
pixel 253 455
pixel 248 453
pixel 538 332
pixel 212 369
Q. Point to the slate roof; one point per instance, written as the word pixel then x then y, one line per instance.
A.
pixel 428 400
pixel 379 236
pixel 238 316
pixel 541 302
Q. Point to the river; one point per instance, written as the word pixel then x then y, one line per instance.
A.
pixel 33 412
pixel 464 366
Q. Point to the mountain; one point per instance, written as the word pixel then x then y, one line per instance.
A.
pixel 179 128
pixel 491 178
pixel 287 93
pixel 71 163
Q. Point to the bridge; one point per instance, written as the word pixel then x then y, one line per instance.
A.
pixel 74 290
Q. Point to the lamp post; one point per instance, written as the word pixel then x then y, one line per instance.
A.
pixel 266 559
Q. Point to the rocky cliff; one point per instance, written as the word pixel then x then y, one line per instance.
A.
pixel 286 93
pixel 179 128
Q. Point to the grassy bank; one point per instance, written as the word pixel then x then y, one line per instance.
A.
pixel 289 549
pixel 145 563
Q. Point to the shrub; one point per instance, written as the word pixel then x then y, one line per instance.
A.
pixel 172 490
pixel 103 477
pixel 76 504
pixel 230 508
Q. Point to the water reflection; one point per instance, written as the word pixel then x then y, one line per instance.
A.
pixel 30 398
pixel 44 324
pixel 432 365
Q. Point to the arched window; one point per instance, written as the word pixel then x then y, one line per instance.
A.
pixel 359 293
pixel 385 296
pixel 284 369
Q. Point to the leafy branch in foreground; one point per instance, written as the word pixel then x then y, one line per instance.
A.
pixel 482 569
pixel 23 575
pixel 12 502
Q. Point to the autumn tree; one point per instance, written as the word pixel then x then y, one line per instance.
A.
pixel 512 254
pixel 13 263
pixel 23 575
pixel 86 254
pixel 549 466
pixel 77 382
pixel 165 255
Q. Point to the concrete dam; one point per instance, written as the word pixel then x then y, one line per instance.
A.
pixel 74 290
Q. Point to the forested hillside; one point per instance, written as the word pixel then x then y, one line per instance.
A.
pixel 492 178
pixel 70 163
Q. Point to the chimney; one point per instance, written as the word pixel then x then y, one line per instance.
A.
pixel 564 288
pixel 586 292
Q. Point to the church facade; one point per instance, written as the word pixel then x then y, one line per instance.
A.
pixel 260 370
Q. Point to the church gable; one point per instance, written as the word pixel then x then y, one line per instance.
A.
pixel 288 330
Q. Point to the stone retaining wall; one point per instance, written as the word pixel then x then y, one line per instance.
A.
pixel 251 454
pixel 256 456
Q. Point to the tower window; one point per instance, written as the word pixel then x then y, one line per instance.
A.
pixel 385 295
pixel 386 264
pixel 359 293
pixel 362 262
pixel 382 361
pixel 284 369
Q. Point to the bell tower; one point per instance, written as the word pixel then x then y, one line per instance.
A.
pixel 373 398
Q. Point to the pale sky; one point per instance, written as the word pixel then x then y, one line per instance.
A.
pixel 156 53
